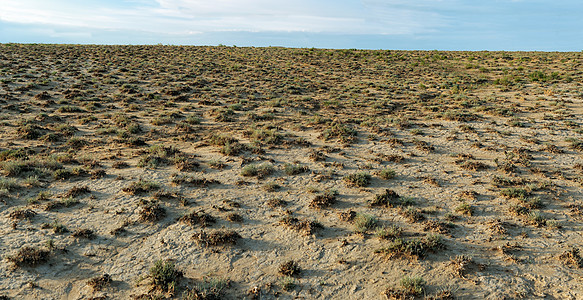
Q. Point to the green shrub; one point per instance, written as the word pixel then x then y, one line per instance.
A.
pixel 413 285
pixel 258 170
pixel 364 223
pixel 164 275
pixel 294 169
pixel 9 184
pixel 141 187
pixel 387 173
pixel 360 179
pixel 207 289
pixel 514 193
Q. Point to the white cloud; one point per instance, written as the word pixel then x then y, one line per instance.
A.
pixel 183 16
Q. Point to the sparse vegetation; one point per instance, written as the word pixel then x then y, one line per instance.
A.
pixel 387 173
pixel 100 282
pixel 164 275
pixel 105 147
pixel 257 170
pixel 216 238
pixel 29 256
pixel 364 223
pixel 289 268
pixel 360 179
pixel 141 187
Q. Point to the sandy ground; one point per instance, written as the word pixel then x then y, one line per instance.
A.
pixel 514 247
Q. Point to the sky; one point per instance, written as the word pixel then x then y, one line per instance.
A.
pixel 512 25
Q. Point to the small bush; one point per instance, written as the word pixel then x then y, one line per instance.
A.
pixel 289 268
pixel 29 256
pixel 164 275
pixel 390 232
pixel 412 214
pixel 258 170
pixel 208 289
pixel 76 191
pixel 27 168
pixel 70 109
pixel 30 131
pixel 287 283
pixel 234 217
pixel 294 169
pixel 99 282
pixel 572 258
pixel 64 174
pixel 232 148
pixel 271 187
pixel 198 218
pixel 217 164
pixel 514 193
pixel 77 143
pixel 341 132
pixel 360 179
pixel 57 227
pixel 325 199
pixel 414 248
pixel 151 211
pixel 390 198
pixel 387 173
pixel 413 285
pixel 305 227
pixel 84 233
pixel 9 184
pixel 141 187
pixel 364 222
pixel 24 213
pixel 216 238
pixel 192 181
pixel 465 209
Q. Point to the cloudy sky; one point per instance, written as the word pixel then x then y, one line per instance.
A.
pixel 546 25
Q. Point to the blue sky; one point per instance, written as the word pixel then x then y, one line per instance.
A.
pixel 543 25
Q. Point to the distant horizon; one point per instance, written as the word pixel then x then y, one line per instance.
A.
pixel 287 47
pixel 444 25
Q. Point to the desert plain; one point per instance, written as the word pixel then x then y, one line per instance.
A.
pixel 183 172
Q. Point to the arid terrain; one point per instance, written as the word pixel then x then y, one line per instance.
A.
pixel 155 172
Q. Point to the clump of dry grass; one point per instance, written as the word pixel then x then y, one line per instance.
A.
pixel 359 179
pixel 289 268
pixel 276 202
pixel 437 226
pixel 141 187
pixel 412 214
pixel 325 199
pixel 390 198
pixel 305 227
pixel 219 237
pixel 257 170
pixel 29 256
pixel 198 218
pixel 165 275
pixel 24 213
pixel 151 211
pixel 84 233
pixel 460 264
pixel 235 217
pixel 76 191
pixel 413 248
pixel 572 258
pixel 347 216
pixel 207 289
pixel 100 282
pixel 410 288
